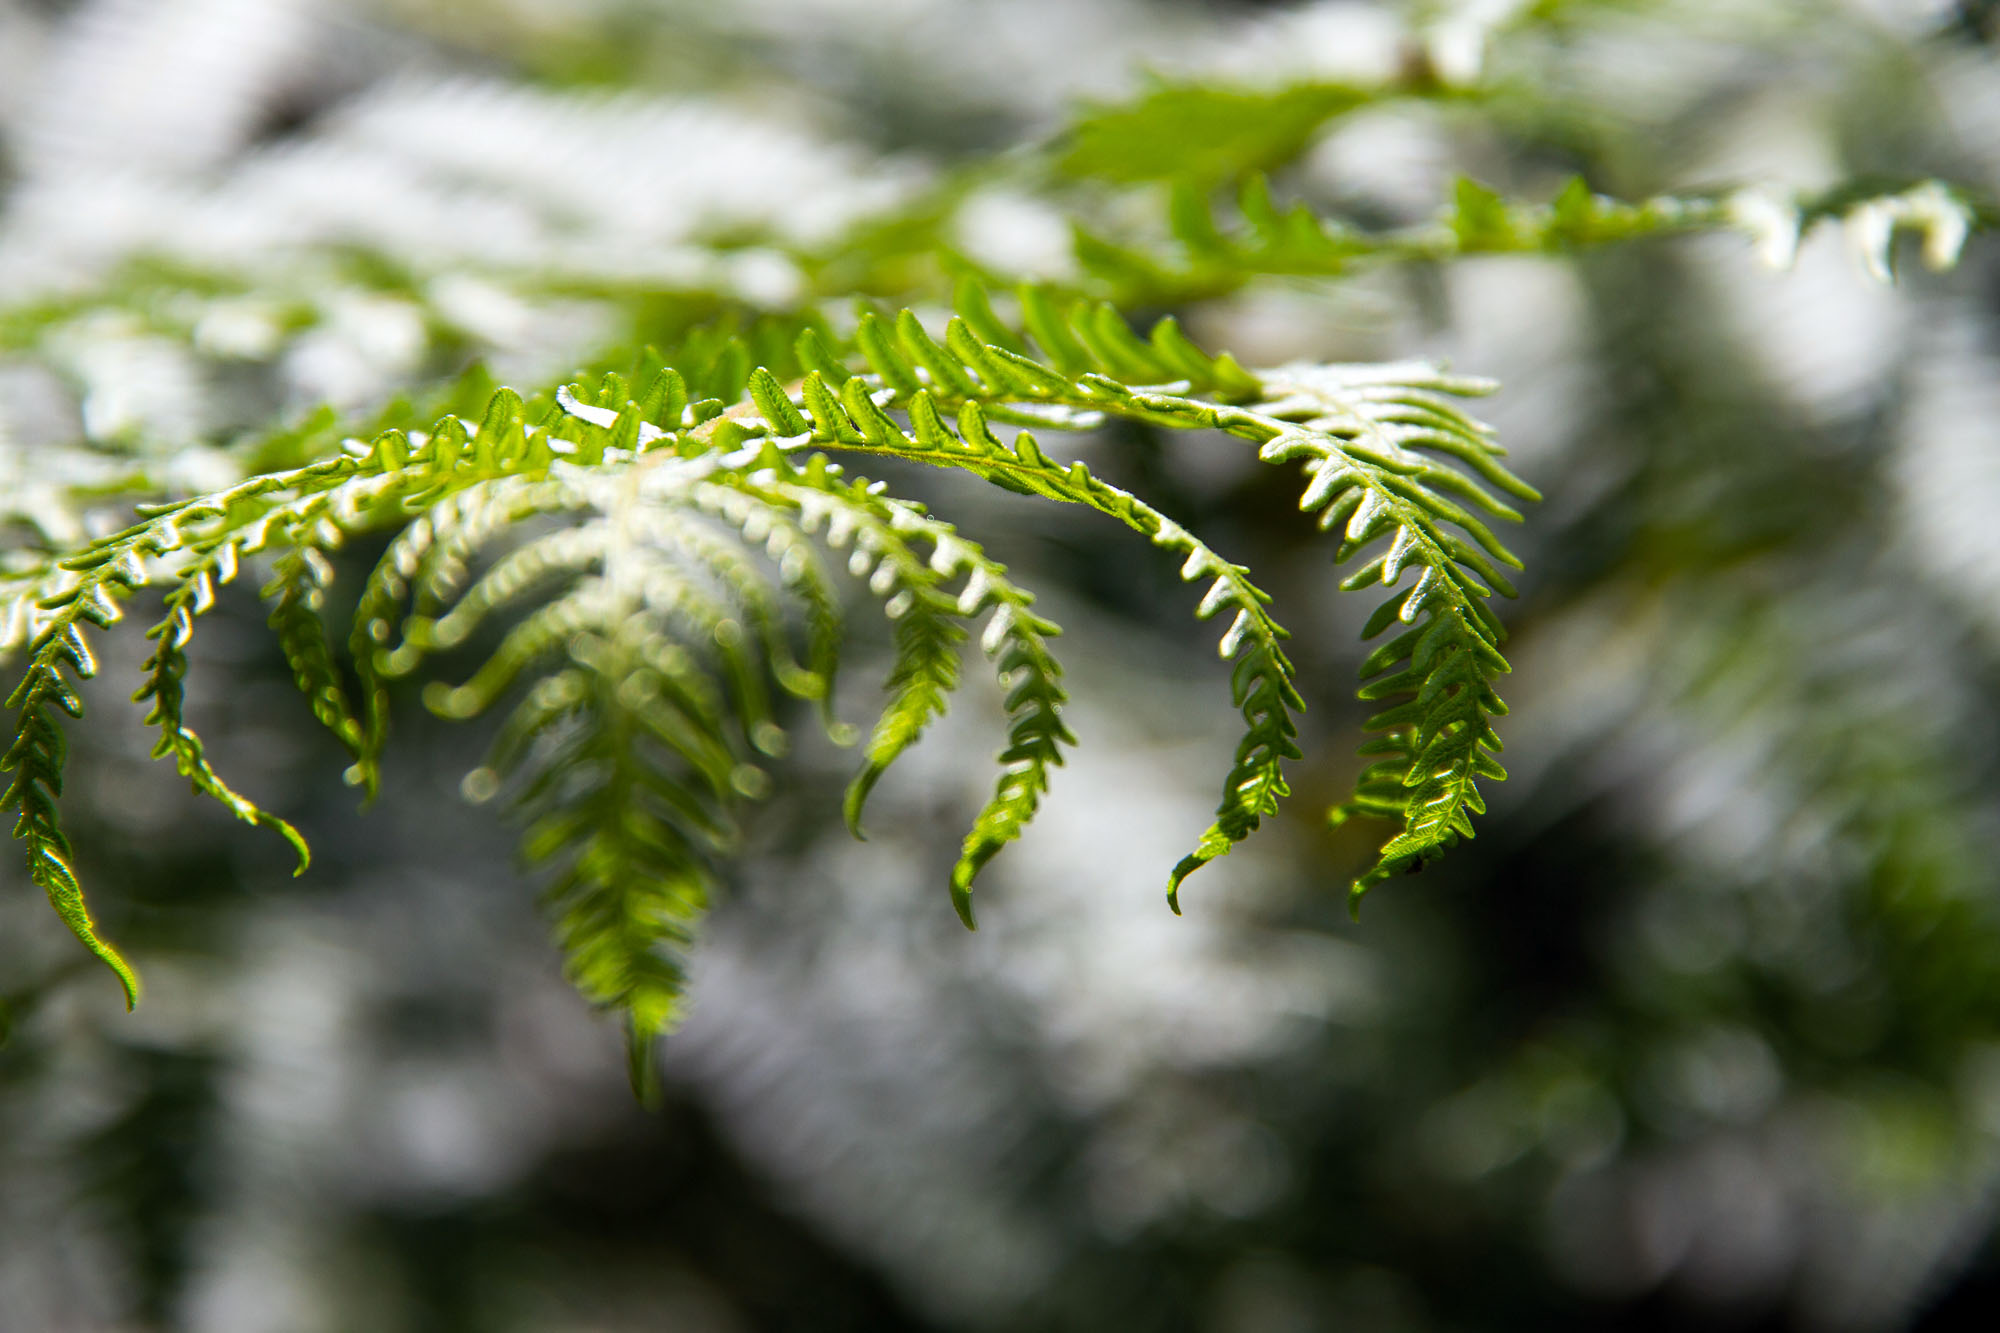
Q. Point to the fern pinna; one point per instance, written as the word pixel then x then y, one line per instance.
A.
pixel 652 555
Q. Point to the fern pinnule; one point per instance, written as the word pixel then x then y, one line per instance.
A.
pixel 192 594
pixel 35 758
pixel 23 588
pixel 297 592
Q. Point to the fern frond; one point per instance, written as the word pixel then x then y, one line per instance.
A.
pixel 1263 685
pixel 649 556
pixel 622 750
pixel 35 758
pixel 1366 428
pixel 1363 433
pixel 193 545
pixel 632 840
pixel 92 586
pixel 1215 257
pixel 297 591
pixel 644 597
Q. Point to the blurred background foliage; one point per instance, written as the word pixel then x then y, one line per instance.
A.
pixel 1702 1031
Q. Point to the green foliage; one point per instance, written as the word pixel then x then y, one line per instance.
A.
pixel 1203 133
pixel 644 556
pixel 640 637
pixel 1212 256
pixel 1375 482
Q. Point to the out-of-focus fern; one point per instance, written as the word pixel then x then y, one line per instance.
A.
pixel 1204 133
pixel 647 558
pixel 1212 256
